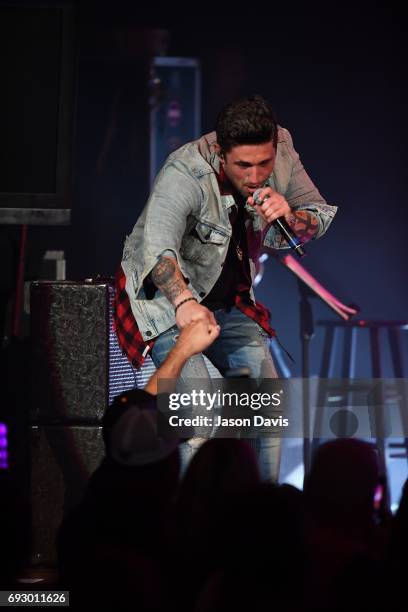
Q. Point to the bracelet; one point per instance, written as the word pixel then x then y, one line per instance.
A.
pixel 183 302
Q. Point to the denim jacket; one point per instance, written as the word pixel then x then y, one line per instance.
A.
pixel 186 215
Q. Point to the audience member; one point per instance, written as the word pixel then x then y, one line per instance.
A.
pixel 344 523
pixel 124 512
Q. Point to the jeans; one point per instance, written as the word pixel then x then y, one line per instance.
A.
pixel 242 342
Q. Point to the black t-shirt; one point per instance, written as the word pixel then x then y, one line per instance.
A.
pixel 235 269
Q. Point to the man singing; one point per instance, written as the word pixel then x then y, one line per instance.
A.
pixel 193 252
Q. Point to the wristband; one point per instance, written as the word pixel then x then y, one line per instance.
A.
pixel 183 302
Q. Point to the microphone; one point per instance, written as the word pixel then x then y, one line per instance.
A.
pixel 284 228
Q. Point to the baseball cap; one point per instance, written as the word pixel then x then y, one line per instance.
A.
pixel 129 429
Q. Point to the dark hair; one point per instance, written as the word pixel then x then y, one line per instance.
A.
pixel 248 120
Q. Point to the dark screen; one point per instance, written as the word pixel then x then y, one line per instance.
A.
pixel 30 58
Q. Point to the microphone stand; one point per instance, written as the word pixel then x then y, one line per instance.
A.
pixel 306 335
pixel 310 287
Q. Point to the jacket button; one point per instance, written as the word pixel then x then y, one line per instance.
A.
pixel 148 333
pixel 202 293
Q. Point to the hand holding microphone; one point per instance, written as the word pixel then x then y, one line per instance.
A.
pixel 269 205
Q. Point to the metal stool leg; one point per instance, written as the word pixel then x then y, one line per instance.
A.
pixel 326 371
pixel 349 353
pixel 379 399
pixel 394 337
pixel 348 371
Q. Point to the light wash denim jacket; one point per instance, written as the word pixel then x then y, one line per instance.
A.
pixel 186 197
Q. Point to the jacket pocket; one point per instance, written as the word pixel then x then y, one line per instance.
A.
pixel 202 238
pixel 211 234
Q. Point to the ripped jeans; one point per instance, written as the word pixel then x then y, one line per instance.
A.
pixel 241 343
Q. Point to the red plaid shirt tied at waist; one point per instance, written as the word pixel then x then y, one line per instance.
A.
pixel 130 338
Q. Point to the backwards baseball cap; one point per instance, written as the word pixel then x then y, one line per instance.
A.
pixel 129 429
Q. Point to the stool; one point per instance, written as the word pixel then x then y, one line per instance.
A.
pixel 348 369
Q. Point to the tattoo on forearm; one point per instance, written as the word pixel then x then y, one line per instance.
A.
pixel 168 278
pixel 304 224
pixel 163 271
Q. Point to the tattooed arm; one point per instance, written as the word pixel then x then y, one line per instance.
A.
pixel 304 224
pixel 167 277
pixel 194 338
pixel 272 205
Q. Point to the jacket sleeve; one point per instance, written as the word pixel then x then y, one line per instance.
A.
pixel 292 181
pixel 174 197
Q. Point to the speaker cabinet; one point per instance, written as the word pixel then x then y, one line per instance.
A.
pixel 77 369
